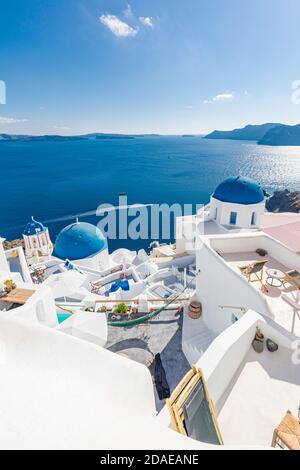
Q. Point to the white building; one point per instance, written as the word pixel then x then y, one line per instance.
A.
pixel 236 206
pixel 225 236
pixel 109 393
pixel 84 244
pixel 238 203
pixel 13 264
pixel 37 241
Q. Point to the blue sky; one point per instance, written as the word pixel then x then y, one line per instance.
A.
pixel 167 66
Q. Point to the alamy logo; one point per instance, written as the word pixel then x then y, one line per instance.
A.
pixel 296 92
pixel 296 353
pixel 144 221
pixel 2 92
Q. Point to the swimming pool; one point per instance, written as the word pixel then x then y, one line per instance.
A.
pixel 62 316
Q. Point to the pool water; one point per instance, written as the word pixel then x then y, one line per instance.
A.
pixel 62 316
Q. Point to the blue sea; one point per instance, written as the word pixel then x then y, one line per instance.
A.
pixel 53 180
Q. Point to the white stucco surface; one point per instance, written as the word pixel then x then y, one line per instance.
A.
pixel 262 390
pixel 224 291
pixel 60 392
pixel 99 261
pixel 221 211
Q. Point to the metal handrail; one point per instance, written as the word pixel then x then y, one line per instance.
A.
pixel 234 307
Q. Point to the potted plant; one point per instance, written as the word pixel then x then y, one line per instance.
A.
pixel 258 335
pixel 121 309
pixel 9 285
pixel 258 342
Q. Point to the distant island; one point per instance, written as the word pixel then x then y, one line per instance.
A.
pixel 281 135
pixel 250 132
pixel 264 134
pixel 67 138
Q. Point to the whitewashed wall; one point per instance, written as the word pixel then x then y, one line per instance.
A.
pixel 39 308
pixel 224 356
pixel 244 212
pixel 100 261
pixel 3 261
pixel 58 392
pixel 218 285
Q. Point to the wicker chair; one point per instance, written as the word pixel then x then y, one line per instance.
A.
pixel 288 432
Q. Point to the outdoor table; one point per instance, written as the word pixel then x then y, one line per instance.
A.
pixel 275 277
pixel 18 296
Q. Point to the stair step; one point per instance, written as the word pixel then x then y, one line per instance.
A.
pixel 200 338
pixel 203 333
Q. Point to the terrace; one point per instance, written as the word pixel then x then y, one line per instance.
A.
pixel 285 314
pixel 278 300
pixel 263 388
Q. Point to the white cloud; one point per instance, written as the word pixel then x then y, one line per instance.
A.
pixel 223 96
pixel 8 120
pixel 118 27
pixel 146 21
pixel 220 97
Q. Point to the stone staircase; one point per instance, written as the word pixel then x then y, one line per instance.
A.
pixel 196 343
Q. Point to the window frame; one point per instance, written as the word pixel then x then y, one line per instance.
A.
pixel 233 218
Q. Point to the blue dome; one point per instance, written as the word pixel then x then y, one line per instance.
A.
pixel 239 190
pixel 33 227
pixel 78 241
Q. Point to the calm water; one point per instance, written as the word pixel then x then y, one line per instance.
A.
pixel 55 179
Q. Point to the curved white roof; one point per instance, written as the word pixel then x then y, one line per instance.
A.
pixel 61 392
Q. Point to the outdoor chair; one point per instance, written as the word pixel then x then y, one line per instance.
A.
pixel 287 433
pixel 255 270
pixel 97 288
pixel 292 277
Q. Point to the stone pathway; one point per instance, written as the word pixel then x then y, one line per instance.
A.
pixel 161 335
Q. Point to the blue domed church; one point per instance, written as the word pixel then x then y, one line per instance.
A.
pixel 238 202
pixel 83 243
pixel 37 241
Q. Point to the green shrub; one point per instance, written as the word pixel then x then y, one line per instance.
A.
pixel 121 308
